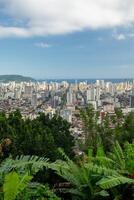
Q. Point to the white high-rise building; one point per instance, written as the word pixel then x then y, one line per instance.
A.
pixel 100 83
pixel 98 93
pixel 70 96
pixel 110 88
pixel 90 94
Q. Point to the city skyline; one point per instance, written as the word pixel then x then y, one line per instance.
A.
pixel 56 39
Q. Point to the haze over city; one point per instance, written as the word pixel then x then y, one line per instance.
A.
pixel 67 39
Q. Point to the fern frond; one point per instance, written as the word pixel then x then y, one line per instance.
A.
pixel 61 151
pixel 101 170
pixel 118 156
pixel 39 191
pixel 24 181
pixel 104 161
pixel 6 166
pixel 23 163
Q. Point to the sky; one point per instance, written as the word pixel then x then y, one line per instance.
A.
pixel 67 39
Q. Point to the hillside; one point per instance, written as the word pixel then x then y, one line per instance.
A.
pixel 17 78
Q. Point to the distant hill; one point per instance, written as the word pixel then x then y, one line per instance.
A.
pixel 17 78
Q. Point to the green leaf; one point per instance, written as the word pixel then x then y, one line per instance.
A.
pixel 102 193
pixel 14 185
pixel 10 187
pixel 113 181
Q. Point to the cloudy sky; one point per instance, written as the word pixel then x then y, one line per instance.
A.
pixel 67 38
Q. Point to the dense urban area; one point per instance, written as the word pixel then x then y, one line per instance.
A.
pixel 62 140
pixel 65 99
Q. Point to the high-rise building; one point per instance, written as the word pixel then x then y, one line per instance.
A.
pixel 70 96
pixel 131 101
pixel 28 91
pixel 91 96
pixel 100 83
pixel 34 100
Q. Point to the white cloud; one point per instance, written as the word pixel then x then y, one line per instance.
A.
pixel 45 17
pixel 122 36
pixel 43 45
pixel 13 31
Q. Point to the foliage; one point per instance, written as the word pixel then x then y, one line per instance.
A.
pixel 17 78
pixel 17 179
pixel 14 185
pixel 89 118
pixel 92 176
pixel 40 192
pixel 41 136
pixel 105 170
pixel 108 130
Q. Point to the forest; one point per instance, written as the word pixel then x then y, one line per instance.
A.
pixel 38 159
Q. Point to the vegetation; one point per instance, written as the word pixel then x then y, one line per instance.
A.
pixel 97 176
pixel 111 128
pixel 41 136
pixel 17 78
pixel 16 178
pixel 38 163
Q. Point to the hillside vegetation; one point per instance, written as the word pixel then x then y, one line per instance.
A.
pixel 17 78
pixel 38 161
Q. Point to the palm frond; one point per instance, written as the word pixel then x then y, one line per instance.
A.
pixel 101 170
pixel 118 156
pixel 37 190
pixel 112 181
pixel 21 163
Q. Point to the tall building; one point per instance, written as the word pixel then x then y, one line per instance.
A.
pixel 97 93
pixel 110 88
pixel 100 83
pixel 34 100
pixel 28 91
pixel 70 96
pixel 132 101
pixel 91 96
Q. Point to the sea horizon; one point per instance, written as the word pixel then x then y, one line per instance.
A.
pixel 88 80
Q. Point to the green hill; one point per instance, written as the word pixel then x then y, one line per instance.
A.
pixel 16 78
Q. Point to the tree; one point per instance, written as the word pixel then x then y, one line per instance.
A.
pixel 90 126
pixel 41 136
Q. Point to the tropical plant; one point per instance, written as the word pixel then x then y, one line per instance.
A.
pixel 123 158
pixel 92 177
pixel 16 178
pixel 14 185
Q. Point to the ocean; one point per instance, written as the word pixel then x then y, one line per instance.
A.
pixel 89 81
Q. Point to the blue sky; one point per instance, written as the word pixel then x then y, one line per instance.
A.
pixel 62 45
